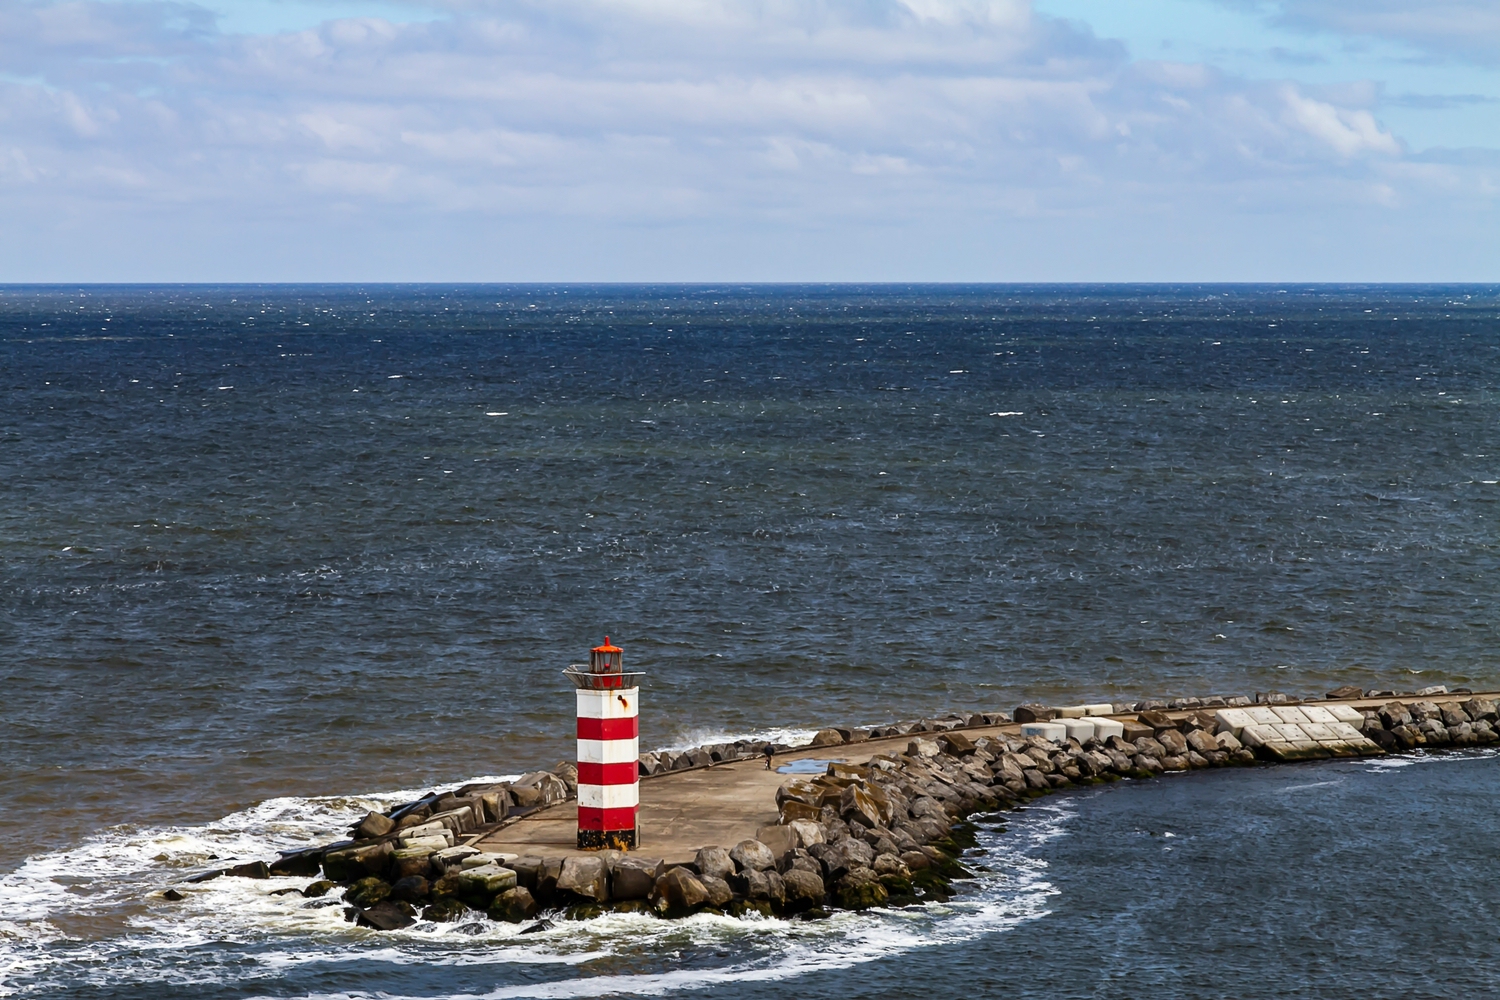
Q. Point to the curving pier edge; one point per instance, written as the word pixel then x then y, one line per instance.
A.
pixel 858 818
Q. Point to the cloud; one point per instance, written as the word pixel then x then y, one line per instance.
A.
pixel 1348 133
pixel 709 113
pixel 1466 29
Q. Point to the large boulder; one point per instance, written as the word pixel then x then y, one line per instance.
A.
pixel 1173 742
pixel 780 840
pixel 633 878
pixel 752 855
pixel 412 889
pixel 586 876
pixel 1033 712
pixel 826 738
pixel 373 825
pixel 803 890
pixel 807 832
pixel 856 805
pixel 355 863
pixel 680 891
pixel 1201 741
pixel 386 916
pixel 513 906
pixel 719 892
pixel 714 861
pixel 368 891
pixel 859 889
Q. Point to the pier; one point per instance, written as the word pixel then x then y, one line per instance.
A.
pixel 855 819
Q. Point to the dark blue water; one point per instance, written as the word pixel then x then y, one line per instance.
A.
pixel 269 554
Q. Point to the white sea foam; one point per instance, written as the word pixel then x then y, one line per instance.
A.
pixel 235 929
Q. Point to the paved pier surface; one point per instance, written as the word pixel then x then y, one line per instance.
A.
pixel 681 811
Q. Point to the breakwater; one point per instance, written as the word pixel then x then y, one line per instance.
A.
pixel 856 818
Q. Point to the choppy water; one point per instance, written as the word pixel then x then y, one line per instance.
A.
pixel 269 554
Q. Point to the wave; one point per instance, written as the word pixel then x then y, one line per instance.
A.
pixel 93 916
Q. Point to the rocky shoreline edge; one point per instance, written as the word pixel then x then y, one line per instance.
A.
pixel 890 832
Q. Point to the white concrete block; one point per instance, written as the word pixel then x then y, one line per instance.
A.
pixel 433 843
pixel 1262 715
pixel 1256 735
pixel 1291 732
pixel 1072 711
pixel 1317 713
pixel 1347 732
pixel 1232 720
pixel 1081 730
pixel 1290 714
pixel 1347 713
pixel 1046 730
pixel 1102 708
pixel 1319 732
pixel 1105 728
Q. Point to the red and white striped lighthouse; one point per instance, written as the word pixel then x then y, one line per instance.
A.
pixel 608 750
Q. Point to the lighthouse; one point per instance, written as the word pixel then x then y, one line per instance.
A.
pixel 608 750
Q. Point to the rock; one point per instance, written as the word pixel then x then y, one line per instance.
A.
pixel 1395 715
pixel 355 863
pixel 300 864
pixel 586 877
pixel 1347 692
pixel 513 906
pixel 807 832
pixel 1480 710
pixel 1033 712
pixel 803 890
pixel 780 840
pixel 1196 759
pixel 890 864
pixel 1422 711
pixel 373 825
pixel 410 861
pixel 252 869
pixel 1175 762
pixel 680 891
pixel 1147 763
pixel 387 916
pixel 1149 747
pixel 318 889
pixel 714 861
pixel 792 811
pixel 752 855
pixel 444 910
pixel 857 805
pixel 1427 692
pixel 1156 720
pixel 633 878
pixel 1226 741
pixel 367 892
pixel 1202 741
pixel 412 889
pixel 1173 742
pixel 957 744
pixel 1454 716
pixel 859 889
pixel 826 738
pixel 719 892
pixel 172 895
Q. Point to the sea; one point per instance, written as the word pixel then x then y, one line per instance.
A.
pixel 273 555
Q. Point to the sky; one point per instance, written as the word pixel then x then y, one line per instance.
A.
pixel 749 140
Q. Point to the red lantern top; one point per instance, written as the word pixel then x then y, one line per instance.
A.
pixel 605 659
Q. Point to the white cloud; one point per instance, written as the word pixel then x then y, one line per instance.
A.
pixel 718 114
pixel 1468 29
pixel 1348 132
